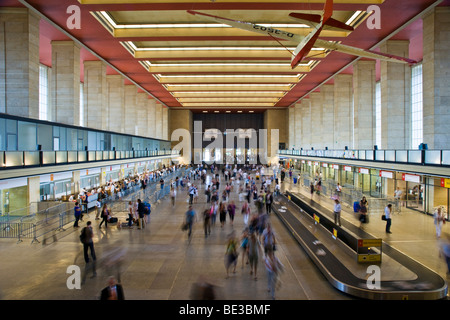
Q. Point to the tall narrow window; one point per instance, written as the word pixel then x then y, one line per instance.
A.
pixel 378 114
pixel 416 106
pixel 43 92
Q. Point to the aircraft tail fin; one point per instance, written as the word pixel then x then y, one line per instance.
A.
pixel 327 10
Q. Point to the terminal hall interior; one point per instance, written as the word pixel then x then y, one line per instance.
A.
pixel 319 125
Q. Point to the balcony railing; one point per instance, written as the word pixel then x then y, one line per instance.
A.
pixel 21 159
pixel 423 157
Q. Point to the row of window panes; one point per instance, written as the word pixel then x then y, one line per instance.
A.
pixel 16 135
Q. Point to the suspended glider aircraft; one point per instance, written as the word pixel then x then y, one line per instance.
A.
pixel 306 43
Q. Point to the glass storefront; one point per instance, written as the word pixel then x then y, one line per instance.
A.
pixel 419 193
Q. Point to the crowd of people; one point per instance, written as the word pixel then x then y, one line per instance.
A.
pixel 257 241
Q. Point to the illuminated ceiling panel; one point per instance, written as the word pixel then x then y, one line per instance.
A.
pixel 203 63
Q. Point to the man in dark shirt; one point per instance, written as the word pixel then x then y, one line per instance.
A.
pixel 113 291
pixel 141 212
pixel 88 242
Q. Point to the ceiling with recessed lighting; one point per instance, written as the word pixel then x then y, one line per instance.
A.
pixel 186 62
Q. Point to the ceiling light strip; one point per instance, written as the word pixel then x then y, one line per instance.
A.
pixel 114 24
pixel 231 76
pixel 225 64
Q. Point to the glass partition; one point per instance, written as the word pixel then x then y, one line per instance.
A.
pixel 432 156
pixel 389 155
pixel 25 134
pixel 13 158
pixel 446 157
pixel 414 156
pixel 31 158
pixel 401 156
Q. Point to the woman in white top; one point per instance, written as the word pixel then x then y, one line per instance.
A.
pixel 438 221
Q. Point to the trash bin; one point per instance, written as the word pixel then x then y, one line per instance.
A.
pixel 295 180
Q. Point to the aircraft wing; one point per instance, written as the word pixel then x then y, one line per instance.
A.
pixel 362 53
pixel 281 34
pixel 303 41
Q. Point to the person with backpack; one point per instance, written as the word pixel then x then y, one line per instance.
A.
pixel 141 212
pixel 86 238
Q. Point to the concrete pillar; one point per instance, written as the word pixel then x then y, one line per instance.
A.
pixel 327 126
pixel 395 82
pixel 343 111
pixel 291 121
pixel 34 189
pixel 151 117
pixel 102 176
pixel 95 94
pixel 130 109
pixel 165 123
pixel 436 80
pixel 181 119
pixel 306 124
pixel 66 82
pixel 275 120
pixel 158 121
pixel 142 114
pixel 298 127
pixel 76 176
pixel 316 99
pixel 115 98
pixel 364 80
pixel 19 62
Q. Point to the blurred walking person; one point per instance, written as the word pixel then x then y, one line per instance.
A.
pixel 105 216
pixel 274 268
pixel 190 217
pixel 207 221
pixel 245 212
pixel 113 291
pixel 254 252
pixel 231 254
pixel 439 221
